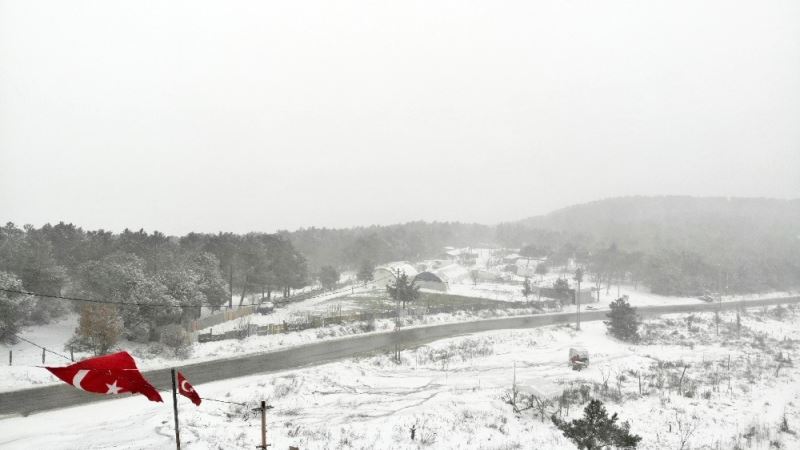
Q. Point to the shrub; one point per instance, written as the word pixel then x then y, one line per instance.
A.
pixel 596 429
pixel 99 328
pixel 177 339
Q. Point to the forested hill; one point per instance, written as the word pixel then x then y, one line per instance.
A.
pixel 351 247
pixel 648 223
pixel 754 244
pixel 612 217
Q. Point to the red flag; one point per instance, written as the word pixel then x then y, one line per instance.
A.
pixel 187 390
pixel 110 374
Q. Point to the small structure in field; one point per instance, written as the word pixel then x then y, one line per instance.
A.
pixel 387 273
pixel 429 280
pixel 526 267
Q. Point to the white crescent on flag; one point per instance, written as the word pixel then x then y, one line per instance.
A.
pixel 186 388
pixel 79 376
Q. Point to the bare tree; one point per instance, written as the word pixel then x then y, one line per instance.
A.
pixel 685 427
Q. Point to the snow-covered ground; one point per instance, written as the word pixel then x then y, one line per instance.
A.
pixel 451 391
pixel 24 372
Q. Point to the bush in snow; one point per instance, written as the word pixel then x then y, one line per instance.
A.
pixel 596 429
pixel 99 329
pixel 177 338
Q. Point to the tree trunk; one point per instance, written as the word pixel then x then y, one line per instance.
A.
pixel 230 285
pixel 244 291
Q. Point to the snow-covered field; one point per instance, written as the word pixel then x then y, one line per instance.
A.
pixel 24 372
pixel 452 391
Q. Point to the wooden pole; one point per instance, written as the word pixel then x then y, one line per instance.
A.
pixel 263 408
pixel 175 411
pixel 10 356
pixel 42 355
pixel 263 425
pixel 578 302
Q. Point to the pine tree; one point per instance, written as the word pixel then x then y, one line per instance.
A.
pixel 403 290
pixel 365 272
pixel 526 288
pixel 623 323
pixel 597 430
pixel 328 277
pixel 14 308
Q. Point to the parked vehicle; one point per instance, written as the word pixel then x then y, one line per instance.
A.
pixel 265 308
pixel 578 358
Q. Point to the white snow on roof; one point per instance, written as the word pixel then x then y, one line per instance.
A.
pixel 401 266
pixel 453 272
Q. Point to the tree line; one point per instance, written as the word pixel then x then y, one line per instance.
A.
pixel 152 280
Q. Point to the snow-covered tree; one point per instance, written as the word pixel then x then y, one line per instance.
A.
pixel 623 321
pixel 403 290
pixel 365 272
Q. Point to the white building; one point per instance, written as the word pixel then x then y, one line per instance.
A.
pixel 387 273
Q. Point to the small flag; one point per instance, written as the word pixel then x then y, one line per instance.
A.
pixel 109 374
pixel 187 390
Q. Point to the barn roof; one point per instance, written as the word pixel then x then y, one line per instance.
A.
pixel 401 266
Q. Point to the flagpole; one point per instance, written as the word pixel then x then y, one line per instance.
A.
pixel 175 410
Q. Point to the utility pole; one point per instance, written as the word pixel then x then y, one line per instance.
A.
pixel 175 411
pixel 578 278
pixel 263 408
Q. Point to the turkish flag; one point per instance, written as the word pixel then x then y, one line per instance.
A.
pixel 187 390
pixel 110 374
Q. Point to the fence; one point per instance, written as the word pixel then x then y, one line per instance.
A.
pixel 363 316
pixel 220 317
pixel 233 314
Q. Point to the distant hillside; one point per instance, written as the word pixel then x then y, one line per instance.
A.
pixel 352 247
pixel 753 243
pixel 677 245
pixel 644 222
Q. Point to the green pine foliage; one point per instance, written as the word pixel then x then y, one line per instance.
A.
pixel 596 430
pixel 403 290
pixel 623 321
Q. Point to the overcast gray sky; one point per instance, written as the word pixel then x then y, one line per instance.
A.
pixel 261 115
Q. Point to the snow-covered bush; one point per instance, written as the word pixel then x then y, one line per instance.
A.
pixel 177 339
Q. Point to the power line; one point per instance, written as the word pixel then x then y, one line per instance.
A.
pixel 41 347
pixel 87 300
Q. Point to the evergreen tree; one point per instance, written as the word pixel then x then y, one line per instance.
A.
pixel 403 290
pixel 365 272
pixel 624 322
pixel 13 308
pixel 526 288
pixel 597 430
pixel 328 277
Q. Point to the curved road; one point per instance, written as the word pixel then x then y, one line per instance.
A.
pixel 60 396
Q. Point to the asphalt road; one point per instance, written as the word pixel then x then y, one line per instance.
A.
pixel 60 396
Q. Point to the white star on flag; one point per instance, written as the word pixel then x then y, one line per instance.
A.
pixel 113 388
